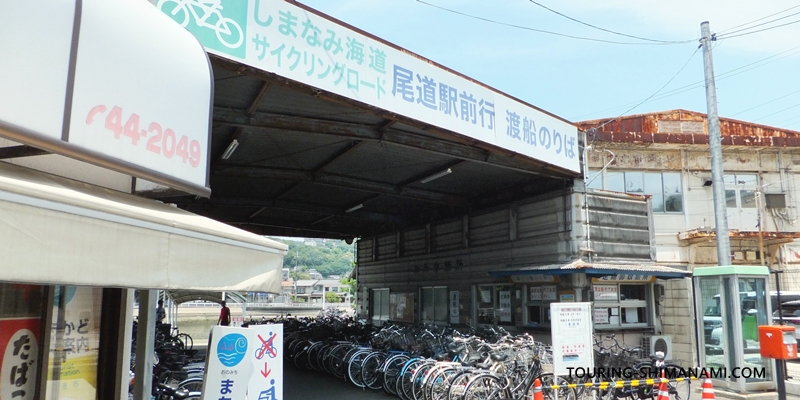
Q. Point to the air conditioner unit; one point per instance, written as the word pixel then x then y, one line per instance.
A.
pixel 662 343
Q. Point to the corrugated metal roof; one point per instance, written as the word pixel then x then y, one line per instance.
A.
pixel 684 127
pixel 652 269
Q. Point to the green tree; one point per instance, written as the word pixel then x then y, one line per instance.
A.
pixel 332 297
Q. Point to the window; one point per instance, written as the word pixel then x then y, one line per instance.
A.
pixel 740 190
pixel 665 188
pixel 380 306
pixel 494 305
pixel 622 305
pixel 538 302
pixel 434 305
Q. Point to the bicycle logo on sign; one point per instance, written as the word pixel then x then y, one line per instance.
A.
pixel 206 14
pixel 267 347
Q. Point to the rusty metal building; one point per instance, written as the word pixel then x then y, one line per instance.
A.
pixel 665 155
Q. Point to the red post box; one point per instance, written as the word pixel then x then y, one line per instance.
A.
pixel 777 341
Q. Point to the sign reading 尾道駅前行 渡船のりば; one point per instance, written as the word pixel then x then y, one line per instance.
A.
pixel 302 45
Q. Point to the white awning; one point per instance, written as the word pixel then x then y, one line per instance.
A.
pixel 55 230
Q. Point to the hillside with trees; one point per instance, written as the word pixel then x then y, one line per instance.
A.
pixel 327 256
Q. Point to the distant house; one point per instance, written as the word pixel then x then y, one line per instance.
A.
pixel 312 290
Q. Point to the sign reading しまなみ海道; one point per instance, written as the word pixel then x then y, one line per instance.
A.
pixel 119 86
pixel 297 43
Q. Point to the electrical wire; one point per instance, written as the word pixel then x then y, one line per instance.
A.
pixel 721 37
pixel 541 30
pixel 655 93
pixel 718 77
pixel 762 18
pixel 765 103
pixel 757 25
pixel 777 112
pixel 610 31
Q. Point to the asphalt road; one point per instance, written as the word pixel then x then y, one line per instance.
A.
pixel 301 385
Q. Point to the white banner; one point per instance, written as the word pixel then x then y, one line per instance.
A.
pixel 275 36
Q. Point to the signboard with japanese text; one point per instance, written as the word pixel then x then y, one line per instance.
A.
pixel 543 293
pixel 625 278
pixel 283 38
pixel 504 309
pixel 19 346
pixel 244 363
pixel 74 342
pixel 228 367
pixel 605 292
pixel 601 316
pixel 533 278
pixel 454 307
pixel 571 331
pixel 147 116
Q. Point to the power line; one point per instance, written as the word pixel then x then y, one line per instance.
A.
pixel 610 31
pixel 655 93
pixel 723 37
pixel 756 20
pixel 778 112
pixel 765 103
pixel 543 31
pixel 700 84
pixel 727 31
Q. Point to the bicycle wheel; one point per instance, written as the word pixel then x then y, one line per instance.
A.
pixel 418 381
pixel 391 371
pixel 371 372
pixel 336 360
pixel 354 367
pixel 679 387
pixel 175 10
pixel 548 380
pixel 229 33
pixel 440 384
pixel 484 387
pixel 404 381
pixel 188 343
pixel 192 384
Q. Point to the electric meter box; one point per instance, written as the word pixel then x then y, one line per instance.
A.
pixel 777 341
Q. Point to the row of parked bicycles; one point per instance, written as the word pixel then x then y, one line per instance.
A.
pixel 423 362
pixel 177 369
pixel 428 362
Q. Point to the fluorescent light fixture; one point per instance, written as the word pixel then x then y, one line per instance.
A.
pixel 351 209
pixel 437 175
pixel 231 148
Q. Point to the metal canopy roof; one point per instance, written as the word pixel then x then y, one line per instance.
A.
pixel 305 157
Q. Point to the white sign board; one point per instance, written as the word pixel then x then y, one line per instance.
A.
pixel 294 42
pixel 244 363
pixel 134 97
pixel 605 292
pixel 571 331
pixel 505 306
pixel 454 307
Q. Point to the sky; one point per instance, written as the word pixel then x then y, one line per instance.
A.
pixel 492 41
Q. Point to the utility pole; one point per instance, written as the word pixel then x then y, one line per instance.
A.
pixel 715 144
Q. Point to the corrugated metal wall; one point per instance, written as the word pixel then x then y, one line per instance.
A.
pixel 459 253
pixel 620 226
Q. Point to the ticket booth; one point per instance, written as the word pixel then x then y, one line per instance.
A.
pixel 733 301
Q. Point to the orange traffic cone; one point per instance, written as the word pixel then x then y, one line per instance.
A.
pixel 663 391
pixel 537 390
pixel 708 389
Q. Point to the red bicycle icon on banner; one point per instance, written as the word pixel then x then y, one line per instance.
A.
pixel 267 347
